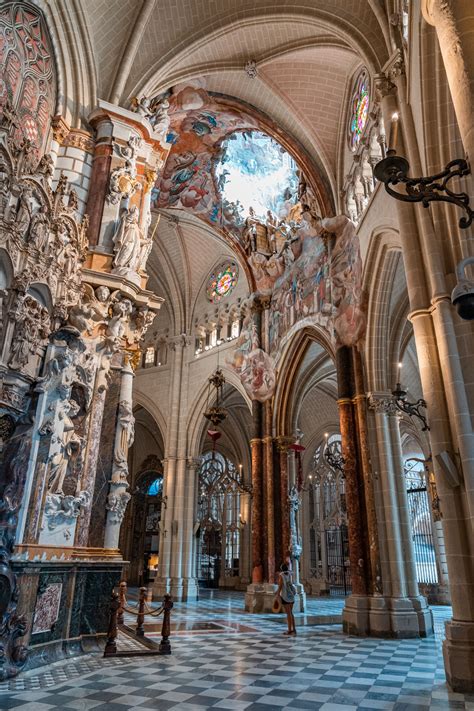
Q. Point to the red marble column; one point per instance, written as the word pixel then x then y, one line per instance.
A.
pixel 354 485
pixel 283 444
pixel 269 497
pixel 98 187
pixel 257 495
pixel 360 410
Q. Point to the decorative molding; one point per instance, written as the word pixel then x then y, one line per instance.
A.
pixel 76 138
pixel 60 129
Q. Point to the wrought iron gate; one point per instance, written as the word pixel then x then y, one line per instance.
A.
pixel 337 557
pixel 421 523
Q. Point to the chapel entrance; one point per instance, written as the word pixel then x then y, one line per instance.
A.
pixel 329 540
pixel 219 533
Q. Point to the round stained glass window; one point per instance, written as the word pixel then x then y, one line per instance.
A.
pixel 222 281
pixel 360 110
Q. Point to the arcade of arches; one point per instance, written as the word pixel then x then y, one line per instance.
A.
pixel 225 345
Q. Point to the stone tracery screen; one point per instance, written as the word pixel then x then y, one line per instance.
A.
pixel 27 72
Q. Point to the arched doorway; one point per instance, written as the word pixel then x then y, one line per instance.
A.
pixel 143 523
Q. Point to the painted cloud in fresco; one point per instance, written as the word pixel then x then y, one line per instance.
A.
pixel 197 126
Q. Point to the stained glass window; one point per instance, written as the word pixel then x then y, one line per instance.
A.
pixel 222 281
pixel 360 110
pixel 155 487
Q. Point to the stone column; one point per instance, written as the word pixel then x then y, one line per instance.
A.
pixel 190 588
pixel 118 496
pixel 445 394
pixel 172 543
pixel 454 24
pixel 402 611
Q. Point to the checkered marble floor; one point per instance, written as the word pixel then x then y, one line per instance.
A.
pixel 321 668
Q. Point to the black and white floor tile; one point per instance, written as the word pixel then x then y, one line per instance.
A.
pixel 257 670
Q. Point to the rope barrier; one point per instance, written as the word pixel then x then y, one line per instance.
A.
pixel 119 606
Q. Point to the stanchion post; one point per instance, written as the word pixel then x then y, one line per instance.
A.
pixel 111 644
pixel 122 598
pixel 165 646
pixel 141 612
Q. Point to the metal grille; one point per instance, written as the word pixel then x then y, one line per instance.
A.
pixel 421 523
pixel 337 556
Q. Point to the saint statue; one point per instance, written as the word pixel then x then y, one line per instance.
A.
pixel 271 225
pixel 69 451
pixel 24 209
pixel 39 229
pixel 146 244
pixel 127 240
pixel 250 232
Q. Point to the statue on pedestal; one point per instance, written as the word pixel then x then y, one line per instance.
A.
pixel 126 240
pixel 250 232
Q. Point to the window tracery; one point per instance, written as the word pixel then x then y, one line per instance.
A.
pixel 222 281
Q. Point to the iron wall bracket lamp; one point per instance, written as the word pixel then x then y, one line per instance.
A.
pixel 412 409
pixel 393 170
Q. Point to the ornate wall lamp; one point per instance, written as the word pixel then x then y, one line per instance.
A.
pixel 412 409
pixel 393 170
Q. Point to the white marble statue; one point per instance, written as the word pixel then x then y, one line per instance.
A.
pixel 127 241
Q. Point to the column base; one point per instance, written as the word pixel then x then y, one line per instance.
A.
pixel 161 587
pixel 259 598
pixel 190 589
pixel 458 653
pixel 180 589
pixel 387 617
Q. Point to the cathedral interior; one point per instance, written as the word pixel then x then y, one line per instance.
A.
pixel 237 295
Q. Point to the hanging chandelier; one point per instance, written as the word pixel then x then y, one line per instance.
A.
pixel 214 411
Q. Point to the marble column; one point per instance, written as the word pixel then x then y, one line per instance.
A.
pixel 360 412
pixel 355 615
pixel 269 498
pixel 283 443
pixel 118 496
pixel 99 178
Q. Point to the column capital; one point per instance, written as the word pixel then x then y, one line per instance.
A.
pixel 193 462
pixel 382 402
pixel 180 341
pixel 395 67
pixel 283 442
pixel 384 86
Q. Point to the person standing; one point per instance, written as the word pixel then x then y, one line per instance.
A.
pixel 287 592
